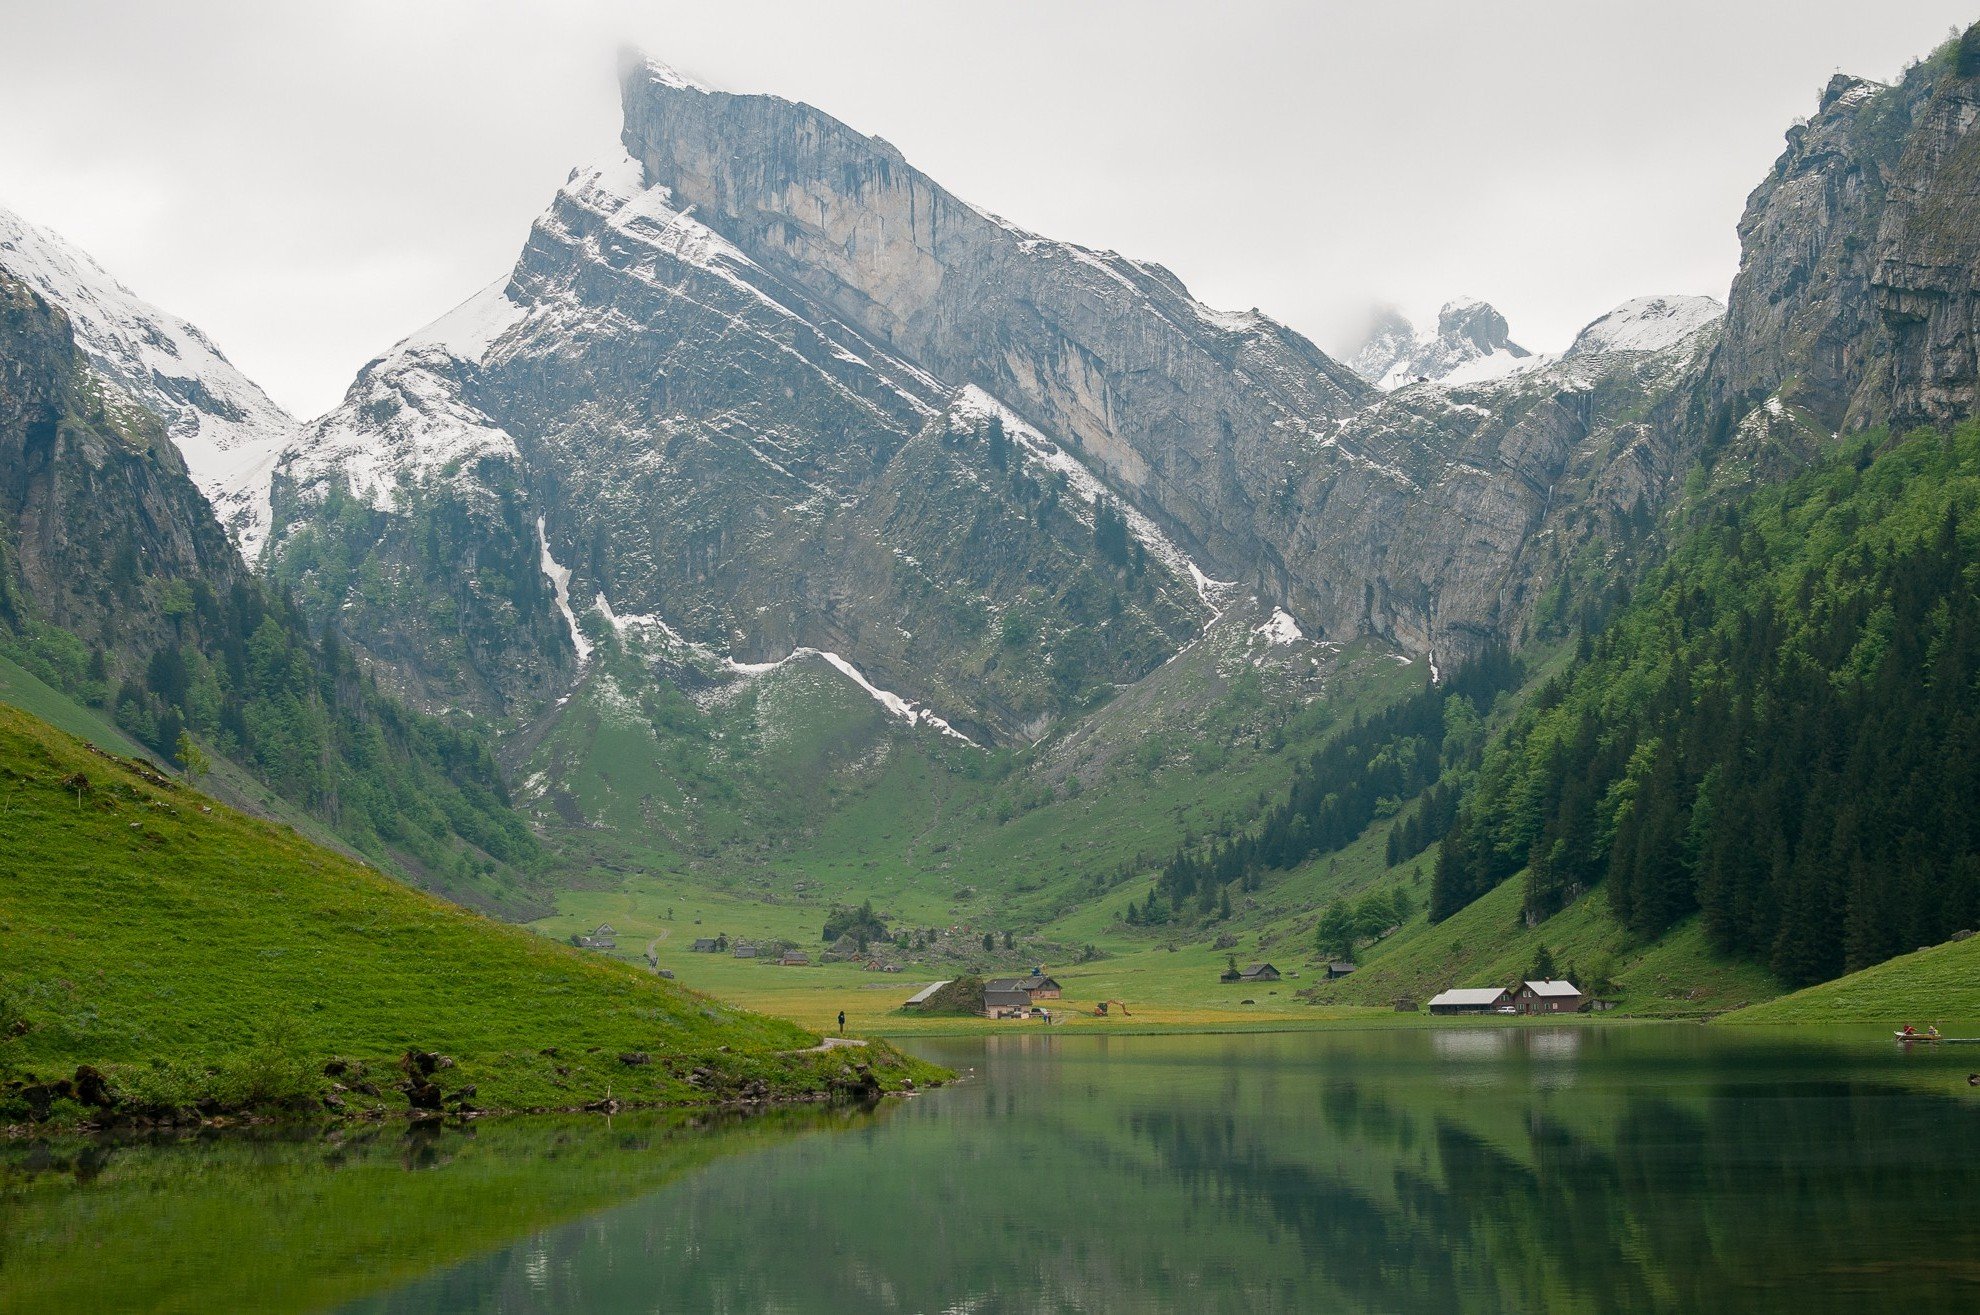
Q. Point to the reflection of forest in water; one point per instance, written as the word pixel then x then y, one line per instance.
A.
pixel 1463 1170
pixel 1472 1169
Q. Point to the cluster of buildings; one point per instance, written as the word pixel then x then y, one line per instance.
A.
pixel 1552 996
pixel 1016 997
pixel 1003 997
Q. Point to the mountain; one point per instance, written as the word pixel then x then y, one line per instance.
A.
pixel 1470 345
pixel 758 386
pixel 226 429
pixel 118 587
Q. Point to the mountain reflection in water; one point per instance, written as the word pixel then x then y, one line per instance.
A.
pixel 1473 1168
pixel 1467 1168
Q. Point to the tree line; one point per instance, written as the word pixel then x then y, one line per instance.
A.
pixel 1781 734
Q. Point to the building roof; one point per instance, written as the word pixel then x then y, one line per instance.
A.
pixel 1259 970
pixel 1469 995
pixel 604 929
pixel 1035 982
pixel 927 992
pixel 704 943
pixel 1553 987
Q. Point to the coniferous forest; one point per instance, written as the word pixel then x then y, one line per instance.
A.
pixel 1780 734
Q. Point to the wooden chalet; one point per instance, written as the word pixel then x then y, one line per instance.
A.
pixel 1549 997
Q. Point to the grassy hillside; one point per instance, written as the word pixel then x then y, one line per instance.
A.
pixel 205 960
pixel 1940 983
pixel 796 785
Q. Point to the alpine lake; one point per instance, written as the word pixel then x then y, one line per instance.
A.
pixel 1470 1167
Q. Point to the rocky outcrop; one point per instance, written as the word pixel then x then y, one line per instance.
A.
pixel 1855 300
pixel 97 513
pixel 226 429
pixel 1926 276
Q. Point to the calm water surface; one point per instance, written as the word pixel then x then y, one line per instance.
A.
pixel 1469 1169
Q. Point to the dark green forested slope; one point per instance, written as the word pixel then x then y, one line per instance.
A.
pixel 1781 732
pixel 1417 746
pixel 119 588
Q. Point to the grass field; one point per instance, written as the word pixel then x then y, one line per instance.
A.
pixel 1939 984
pixel 207 960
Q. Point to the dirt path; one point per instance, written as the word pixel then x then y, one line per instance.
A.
pixel 651 957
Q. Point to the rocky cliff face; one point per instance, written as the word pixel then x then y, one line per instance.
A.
pixel 644 427
pixel 1927 272
pixel 1170 401
pixel 226 429
pixel 97 511
pixel 1855 299
pixel 1500 485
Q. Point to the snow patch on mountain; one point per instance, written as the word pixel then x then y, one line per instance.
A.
pixel 973 404
pixel 471 328
pixel 560 584
pixel 1647 324
pixel 1279 628
pixel 905 709
pixel 402 423
pixel 227 429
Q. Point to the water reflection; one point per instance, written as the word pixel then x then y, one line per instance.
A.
pixel 1472 1169
pixel 1487 1169
pixel 307 1220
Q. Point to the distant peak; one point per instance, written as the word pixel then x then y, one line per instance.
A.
pixel 1469 331
pixel 1469 320
pixel 636 65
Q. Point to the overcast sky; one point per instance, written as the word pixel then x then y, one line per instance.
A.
pixel 310 182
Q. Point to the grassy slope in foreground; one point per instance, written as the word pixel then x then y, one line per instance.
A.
pixel 206 960
pixel 1938 983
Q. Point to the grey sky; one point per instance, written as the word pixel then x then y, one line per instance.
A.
pixel 309 182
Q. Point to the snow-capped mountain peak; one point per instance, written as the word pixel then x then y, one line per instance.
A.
pixel 1470 345
pixel 226 427
pixel 1647 324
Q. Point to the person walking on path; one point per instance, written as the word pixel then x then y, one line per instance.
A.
pixel 842 1022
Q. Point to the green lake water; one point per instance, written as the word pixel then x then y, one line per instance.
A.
pixel 1575 1168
